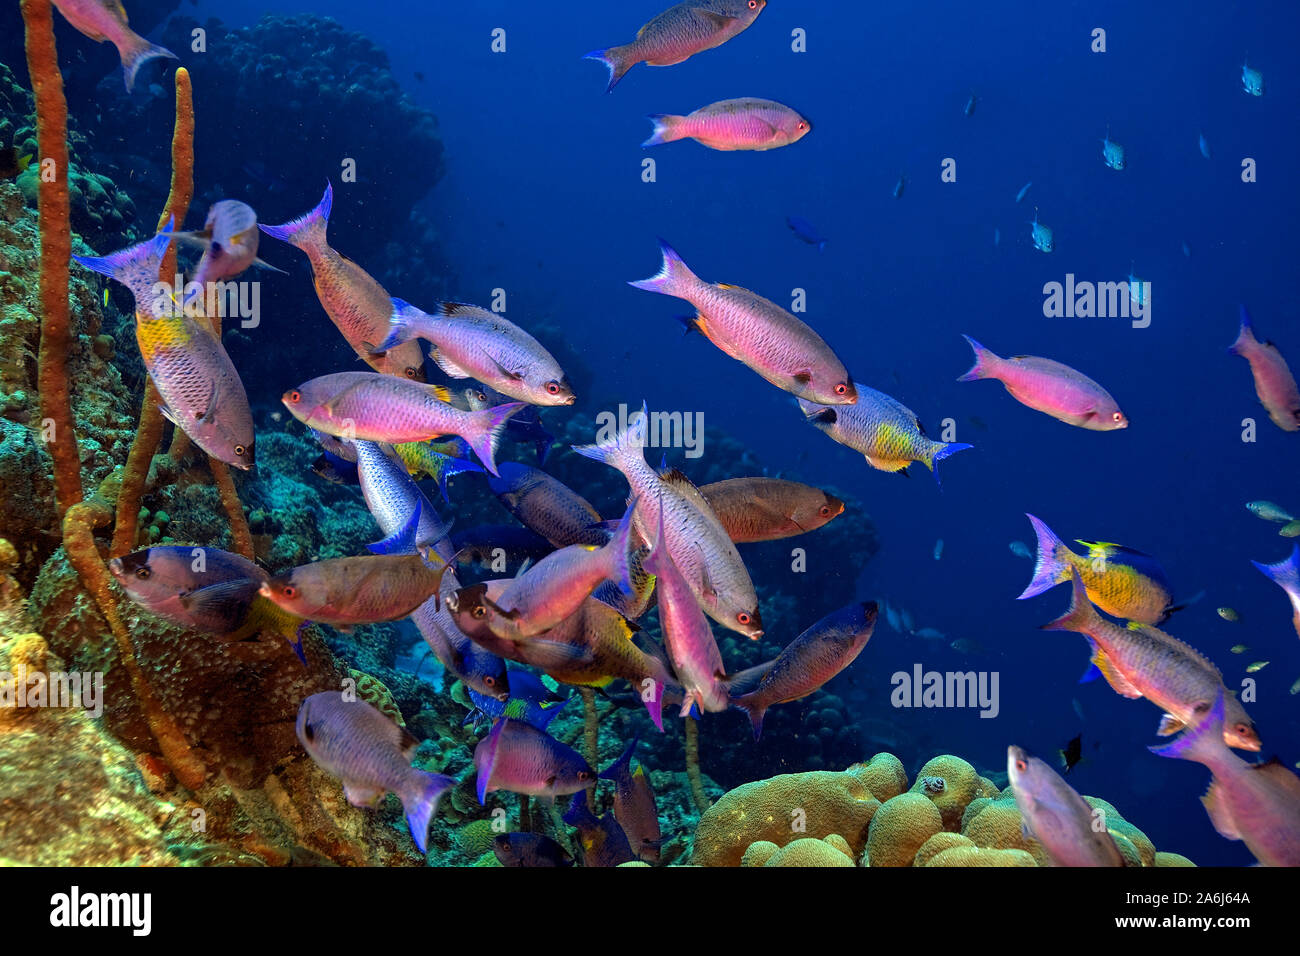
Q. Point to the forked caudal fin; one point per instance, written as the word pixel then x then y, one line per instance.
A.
pixel 1053 563
pixel 667 129
pixel 136 55
pixel 1286 573
pixel 616 60
pixel 135 267
pixel 1080 617
pixel 1202 742
pixel 489 425
pixel 404 324
pixel 306 232
pixel 939 451
pixel 984 361
pixel 673 278
pixel 625 449
pixel 1245 335
pixel 422 802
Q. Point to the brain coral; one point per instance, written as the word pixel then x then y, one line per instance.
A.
pixel 950 783
pixel 883 774
pixel 943 840
pixel 899 828
pixel 808 852
pixel 782 809
pixel 981 856
pixel 997 826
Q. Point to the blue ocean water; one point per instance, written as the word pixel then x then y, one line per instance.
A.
pixel 544 197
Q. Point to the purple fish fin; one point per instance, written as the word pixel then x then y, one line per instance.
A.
pixel 403 325
pixel 422 802
pixel 673 277
pixel 490 424
pixel 616 60
pixel 401 541
pixel 984 362
pixel 136 55
pixel 624 448
pixel 490 743
pixel 135 267
pixel 1286 573
pixel 1200 742
pixel 941 450
pixel 623 764
pixel 655 705
pixel 306 232
pixel 621 555
pixel 667 129
pixel 1053 564
pixel 577 815
pixel 1091 674
pixel 753 710
pixel 1245 335
pixel 1080 616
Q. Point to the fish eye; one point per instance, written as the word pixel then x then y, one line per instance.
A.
pixel 478 612
pixel 825 511
pixel 295 396
pixel 743 618
pixel 239 450
pixel 489 681
pixel 143 573
pixel 586 774
pixel 842 388
pixel 802 125
pixel 411 371
pixel 553 388
pixel 289 591
pixel 1022 766
pixel 309 732
pixel 1117 417
pixel 753 4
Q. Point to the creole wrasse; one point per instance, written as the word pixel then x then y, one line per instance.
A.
pixel 741 124
pixel 1274 384
pixel 1286 575
pixel 106 20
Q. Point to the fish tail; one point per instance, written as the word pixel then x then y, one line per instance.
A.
pixel 1053 564
pixel 136 267
pixel 655 705
pixel 673 278
pixel 620 549
pixel 421 801
pixel 1286 573
pixel 984 362
pixel 1201 742
pixel 623 764
pixel 667 129
pixel 938 451
pixel 454 466
pixel 137 51
pixel 1245 336
pixel 307 232
pixel 490 425
pixel 490 745
pixel 1080 617
pixel 754 711
pixel 617 59
pixel 403 325
pixel 622 451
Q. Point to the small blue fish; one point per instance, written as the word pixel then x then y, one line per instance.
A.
pixel 971 103
pixel 806 231
pixel 1023 189
pixel 1042 235
pixel 997 237
pixel 1252 81
pixel 1204 145
pixel 1112 153
pixel 900 186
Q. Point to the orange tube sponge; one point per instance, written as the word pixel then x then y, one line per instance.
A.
pixel 56 252
pixel 900 828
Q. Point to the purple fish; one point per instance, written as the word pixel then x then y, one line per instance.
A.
pixel 518 757
pixel 634 805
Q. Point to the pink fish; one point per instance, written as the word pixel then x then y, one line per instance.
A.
pixel 1274 383
pixel 106 20
pixel 679 33
pixel 748 123
pixel 354 301
pixel 1049 387
pixel 1257 803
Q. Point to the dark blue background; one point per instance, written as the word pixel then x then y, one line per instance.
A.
pixel 544 198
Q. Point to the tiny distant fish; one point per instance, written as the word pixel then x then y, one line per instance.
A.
pixel 969 108
pixel 741 124
pixel 751 329
pixel 1056 816
pixel 1252 81
pixel 1256 803
pixel 529 849
pixel 1256 666
pixel 997 237
pixel 1295 688
pixel 1020 550
pixel 1239 648
pixel 1112 153
pixel 1023 190
pixel 1138 290
pixel 1078 708
pixel 964 645
pixel 679 33
pixel 1228 614
pixel 1274 384
pixel 1290 530
pixel 938 549
pixel 1204 145
pixel 1269 511
pixel 900 186
pixel 1072 753
pixel 1050 387
pixel 806 231
pixel 880 428
pixel 1187 250
pixel 1041 235
pixel 930 634
pixel 106 20
pixel 359 745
